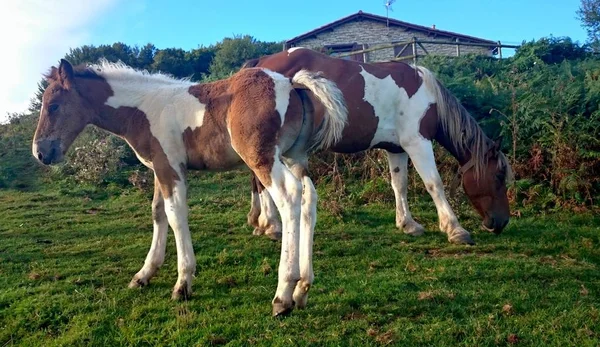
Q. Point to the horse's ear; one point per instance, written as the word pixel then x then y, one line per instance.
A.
pixel 65 73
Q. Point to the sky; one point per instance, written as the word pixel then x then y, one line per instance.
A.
pixel 35 34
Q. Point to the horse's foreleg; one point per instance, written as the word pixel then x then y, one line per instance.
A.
pixel 156 255
pixel 176 209
pixel 421 154
pixel 398 163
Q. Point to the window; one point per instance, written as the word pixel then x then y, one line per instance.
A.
pixel 336 50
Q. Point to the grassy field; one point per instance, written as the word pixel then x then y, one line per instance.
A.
pixel 67 255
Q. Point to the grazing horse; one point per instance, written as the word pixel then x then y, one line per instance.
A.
pixel 401 109
pixel 256 118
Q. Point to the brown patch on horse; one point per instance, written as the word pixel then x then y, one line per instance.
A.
pixel 158 204
pixel 207 146
pixel 429 123
pixel 256 147
pixel 389 146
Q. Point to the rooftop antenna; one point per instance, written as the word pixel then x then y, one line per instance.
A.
pixel 388 7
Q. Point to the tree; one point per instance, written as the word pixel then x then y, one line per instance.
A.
pixel 200 60
pixel 589 14
pixel 172 61
pixel 233 52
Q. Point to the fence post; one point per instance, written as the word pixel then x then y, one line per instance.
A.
pixel 457 48
pixel 414 49
pixel 500 49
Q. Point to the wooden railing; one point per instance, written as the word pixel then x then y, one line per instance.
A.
pixel 415 42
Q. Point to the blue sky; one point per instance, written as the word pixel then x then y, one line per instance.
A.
pixel 40 32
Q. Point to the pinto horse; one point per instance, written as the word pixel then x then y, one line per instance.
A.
pixel 401 109
pixel 256 118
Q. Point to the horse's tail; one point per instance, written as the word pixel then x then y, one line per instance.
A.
pixel 336 112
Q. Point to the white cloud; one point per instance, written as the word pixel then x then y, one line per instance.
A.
pixel 35 35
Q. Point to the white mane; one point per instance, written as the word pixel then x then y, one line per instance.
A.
pixel 119 71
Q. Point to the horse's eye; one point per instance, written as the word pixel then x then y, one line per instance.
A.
pixel 52 108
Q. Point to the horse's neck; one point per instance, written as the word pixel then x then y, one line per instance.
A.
pixel 445 139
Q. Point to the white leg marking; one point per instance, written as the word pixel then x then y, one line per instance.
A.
pixel 156 255
pixel 398 164
pixel 307 229
pixel 286 191
pixel 176 209
pixel 421 154
pixel 268 220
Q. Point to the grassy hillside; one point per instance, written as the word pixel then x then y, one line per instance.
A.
pixel 67 255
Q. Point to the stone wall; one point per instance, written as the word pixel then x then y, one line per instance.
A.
pixel 373 33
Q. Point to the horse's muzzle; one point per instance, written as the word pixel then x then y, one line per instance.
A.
pixel 48 152
pixel 495 225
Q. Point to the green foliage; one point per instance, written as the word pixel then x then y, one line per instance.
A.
pixel 589 15
pixel 545 101
pixel 18 169
pixel 233 52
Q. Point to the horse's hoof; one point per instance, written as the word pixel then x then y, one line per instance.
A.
pixel 461 238
pixel 281 308
pixel 273 231
pixel 137 282
pixel 182 292
pixel 413 229
pixel 252 219
pixel 258 231
pixel 301 295
pixel 274 236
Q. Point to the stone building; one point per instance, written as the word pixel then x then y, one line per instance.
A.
pixel 362 30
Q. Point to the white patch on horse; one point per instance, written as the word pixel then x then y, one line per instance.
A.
pixel 283 87
pixel 293 49
pixel 168 105
pixel 399 116
pixel 386 98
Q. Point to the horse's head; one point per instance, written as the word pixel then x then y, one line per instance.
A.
pixel 487 190
pixel 64 114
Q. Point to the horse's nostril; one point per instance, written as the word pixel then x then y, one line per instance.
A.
pixel 40 156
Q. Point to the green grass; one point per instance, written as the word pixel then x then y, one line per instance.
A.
pixel 67 255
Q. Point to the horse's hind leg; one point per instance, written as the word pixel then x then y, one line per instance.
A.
pixel 398 163
pixel 421 154
pixel 299 167
pixel 254 207
pixel 156 255
pixel 263 213
pixel 286 191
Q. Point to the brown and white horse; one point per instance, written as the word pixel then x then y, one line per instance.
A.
pixel 256 118
pixel 401 108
